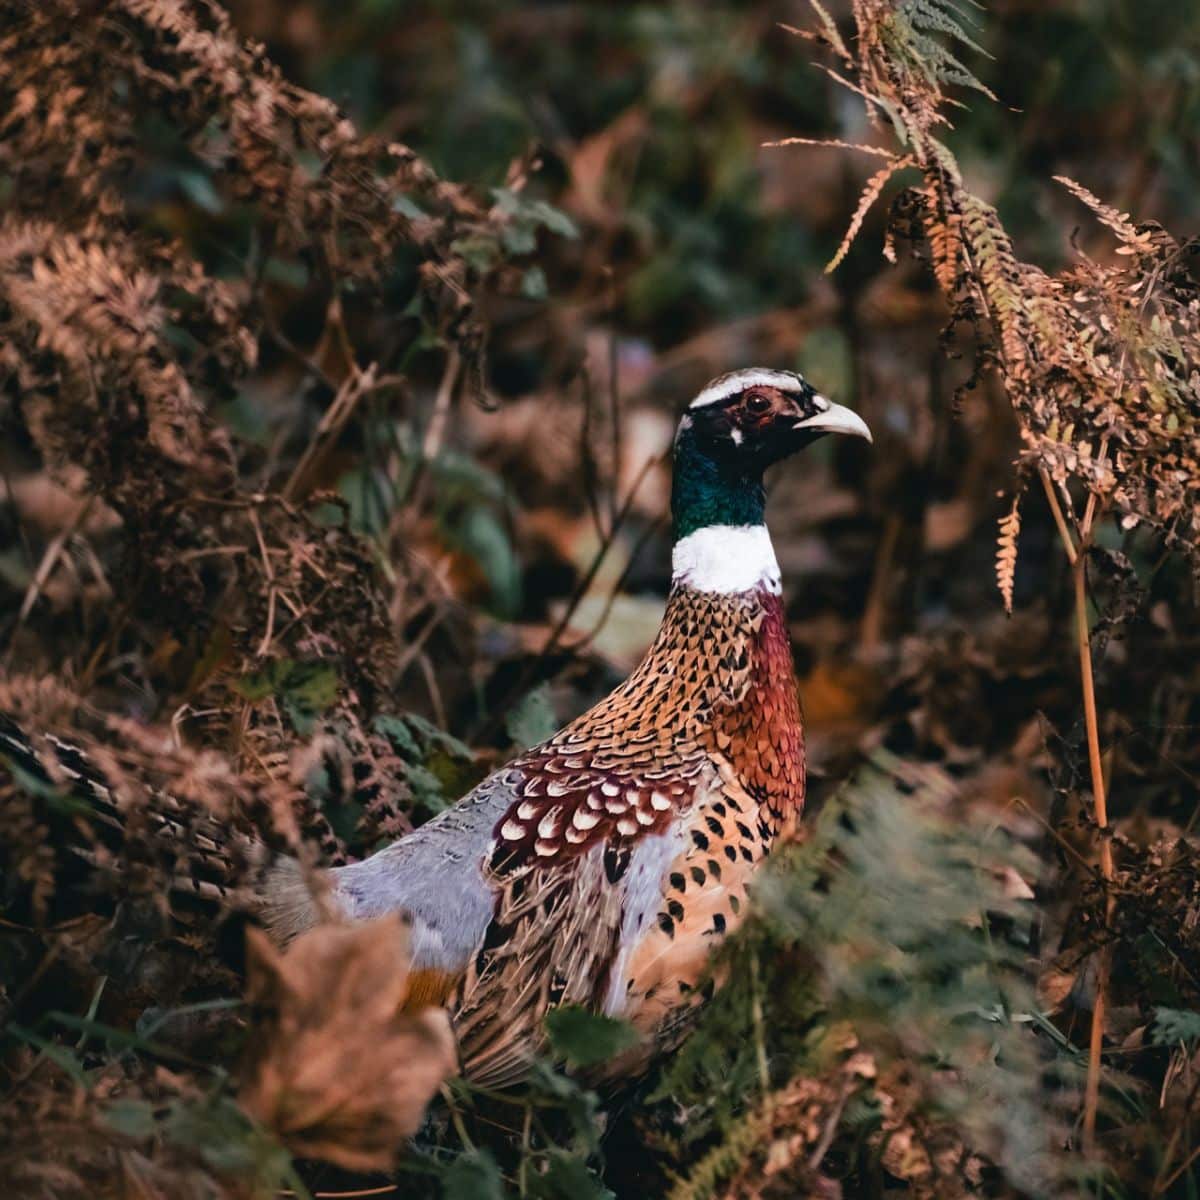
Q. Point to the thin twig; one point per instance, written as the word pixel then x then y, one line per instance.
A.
pixel 526 1133
pixel 1183 1166
pixel 1058 837
pixel 435 434
pixel 1077 557
pixel 760 1039
pixel 634 554
pixel 268 633
pixel 416 644
pixel 830 1130
pixel 456 1117
pixel 431 685
pixel 587 459
pixel 50 559
pixel 331 424
pixel 386 1189
pixel 493 723
pixel 614 403
pixel 1089 514
pixel 598 560
pixel 1091 1095
pixel 1100 806
pixel 582 588
pixel 1078 560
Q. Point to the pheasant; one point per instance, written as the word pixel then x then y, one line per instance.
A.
pixel 602 867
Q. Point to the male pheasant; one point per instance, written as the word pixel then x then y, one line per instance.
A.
pixel 602 867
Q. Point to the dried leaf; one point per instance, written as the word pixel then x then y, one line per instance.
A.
pixel 1006 552
pixel 870 193
pixel 344 1072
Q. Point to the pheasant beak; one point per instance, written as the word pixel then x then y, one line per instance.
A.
pixel 833 418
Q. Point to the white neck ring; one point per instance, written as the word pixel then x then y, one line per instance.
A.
pixel 726 559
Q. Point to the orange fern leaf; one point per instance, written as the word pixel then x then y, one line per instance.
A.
pixel 1006 552
pixel 870 194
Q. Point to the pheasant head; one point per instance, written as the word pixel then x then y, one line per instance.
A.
pixel 739 425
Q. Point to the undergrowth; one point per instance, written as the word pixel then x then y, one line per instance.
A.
pixel 269 583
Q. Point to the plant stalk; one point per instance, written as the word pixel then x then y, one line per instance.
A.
pixel 1100 807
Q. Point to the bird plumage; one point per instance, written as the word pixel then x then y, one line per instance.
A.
pixel 603 866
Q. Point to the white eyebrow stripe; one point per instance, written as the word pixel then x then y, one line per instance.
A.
pixel 728 385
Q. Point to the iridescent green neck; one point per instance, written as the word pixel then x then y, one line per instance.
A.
pixel 707 492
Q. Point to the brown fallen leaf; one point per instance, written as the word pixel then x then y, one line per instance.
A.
pixel 341 1071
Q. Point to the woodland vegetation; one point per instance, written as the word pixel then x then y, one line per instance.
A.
pixel 340 347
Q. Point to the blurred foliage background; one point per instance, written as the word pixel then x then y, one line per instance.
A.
pixel 617 235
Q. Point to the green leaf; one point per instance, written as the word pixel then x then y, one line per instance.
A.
pixel 221 1133
pixel 428 792
pixel 525 216
pixel 460 478
pixel 306 689
pixel 59 1055
pixel 567 1177
pixel 519 239
pixel 585 1039
pixel 532 719
pixel 1174 1025
pixel 533 284
pixel 199 189
pixel 154 1019
pixel 439 768
pixel 311 688
pixel 115 1037
pixel 580 1106
pixel 244 413
pixel 289 272
pixel 258 685
pixel 483 536
pixel 554 219
pixel 438 737
pixel 479 252
pixel 473 1176
pixel 406 206
pixel 396 730
pixel 130 1118
pixel 58 798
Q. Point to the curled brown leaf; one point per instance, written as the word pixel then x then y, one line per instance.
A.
pixel 343 1071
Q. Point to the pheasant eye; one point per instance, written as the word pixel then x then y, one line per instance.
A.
pixel 757 404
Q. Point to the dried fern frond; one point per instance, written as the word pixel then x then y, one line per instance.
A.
pixel 870 194
pixel 1100 361
pixel 1006 552
pixel 1118 222
pixel 829 29
pixel 946 248
pixel 834 143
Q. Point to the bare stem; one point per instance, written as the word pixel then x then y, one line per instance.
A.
pixel 1077 556
pixel 1091 724
pixel 1100 802
pixel 1059 520
pixel 760 1040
